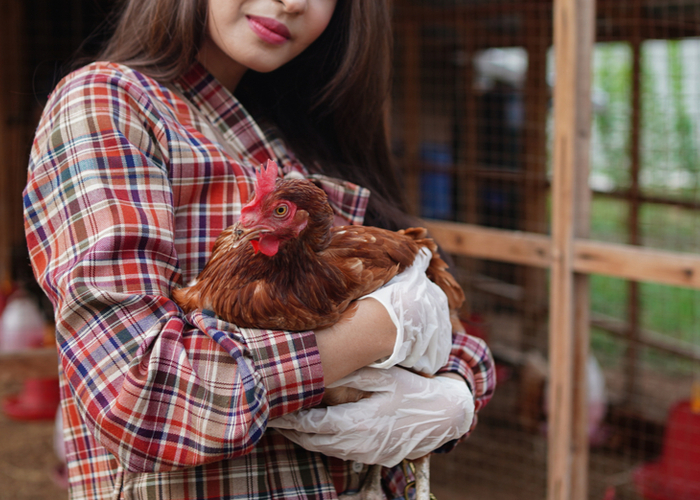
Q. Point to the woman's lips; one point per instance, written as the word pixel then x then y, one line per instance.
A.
pixel 269 30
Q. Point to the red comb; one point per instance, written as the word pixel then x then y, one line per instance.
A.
pixel 265 178
pixel 264 183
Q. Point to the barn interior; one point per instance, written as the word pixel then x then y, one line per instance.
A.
pixel 480 95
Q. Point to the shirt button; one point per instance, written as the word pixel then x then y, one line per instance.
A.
pixel 358 466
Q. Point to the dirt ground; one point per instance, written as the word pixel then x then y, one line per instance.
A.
pixel 27 459
pixel 27 462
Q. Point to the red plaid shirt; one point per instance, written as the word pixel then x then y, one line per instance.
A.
pixel 128 188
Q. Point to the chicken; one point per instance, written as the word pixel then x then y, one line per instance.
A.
pixel 284 266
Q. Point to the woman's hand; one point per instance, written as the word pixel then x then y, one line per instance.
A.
pixel 407 416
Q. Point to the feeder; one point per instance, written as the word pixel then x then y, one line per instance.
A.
pixel 38 400
pixel 676 476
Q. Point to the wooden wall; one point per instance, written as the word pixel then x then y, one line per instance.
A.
pixel 14 131
pixel 39 39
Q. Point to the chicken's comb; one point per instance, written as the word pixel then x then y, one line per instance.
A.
pixel 265 178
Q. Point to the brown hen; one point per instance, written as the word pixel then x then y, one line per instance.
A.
pixel 284 266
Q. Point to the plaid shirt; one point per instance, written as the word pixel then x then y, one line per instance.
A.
pixel 128 188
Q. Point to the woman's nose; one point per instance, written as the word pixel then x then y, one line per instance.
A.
pixel 294 6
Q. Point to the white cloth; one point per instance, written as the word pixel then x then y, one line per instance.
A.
pixel 407 416
pixel 419 309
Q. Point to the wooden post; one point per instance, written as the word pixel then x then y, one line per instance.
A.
pixel 582 217
pixel 466 177
pixel 573 24
pixel 535 188
pixel 632 352
pixel 467 159
pixel 536 102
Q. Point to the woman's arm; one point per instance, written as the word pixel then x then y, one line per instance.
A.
pixel 158 389
pixel 365 335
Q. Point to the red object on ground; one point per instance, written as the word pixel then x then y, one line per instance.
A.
pixel 38 400
pixel 676 476
pixel 609 493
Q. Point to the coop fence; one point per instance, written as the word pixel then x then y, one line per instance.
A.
pixel 552 148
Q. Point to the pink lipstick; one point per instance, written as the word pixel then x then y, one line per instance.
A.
pixel 269 30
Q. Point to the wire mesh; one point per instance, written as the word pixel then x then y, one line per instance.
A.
pixel 645 177
pixel 472 124
pixel 480 154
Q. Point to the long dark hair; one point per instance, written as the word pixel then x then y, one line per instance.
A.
pixel 329 103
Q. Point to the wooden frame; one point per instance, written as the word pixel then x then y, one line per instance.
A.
pixel 568 253
pixel 589 257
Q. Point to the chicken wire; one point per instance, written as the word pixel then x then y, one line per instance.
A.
pixel 472 127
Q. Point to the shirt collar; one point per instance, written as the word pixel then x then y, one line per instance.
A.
pixel 225 112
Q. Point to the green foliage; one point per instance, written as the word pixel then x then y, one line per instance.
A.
pixel 669 153
pixel 684 130
pixel 612 75
pixel 671 311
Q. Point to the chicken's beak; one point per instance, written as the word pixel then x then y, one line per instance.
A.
pixel 243 235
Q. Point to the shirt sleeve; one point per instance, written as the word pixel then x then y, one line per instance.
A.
pixel 158 389
pixel 472 359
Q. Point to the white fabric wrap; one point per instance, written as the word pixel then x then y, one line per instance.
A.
pixel 419 309
pixel 407 416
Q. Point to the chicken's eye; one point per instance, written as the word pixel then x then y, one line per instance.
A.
pixel 281 210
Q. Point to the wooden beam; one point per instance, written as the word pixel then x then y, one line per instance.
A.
pixel 536 98
pixel 647 338
pixel 533 188
pixel 467 181
pixel 612 24
pixel 467 150
pixel 638 263
pixel 573 64
pixel 631 382
pixel 590 257
pixel 644 198
pixel 493 244
pixel 582 218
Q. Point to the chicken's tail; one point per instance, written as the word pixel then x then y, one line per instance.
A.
pixel 437 270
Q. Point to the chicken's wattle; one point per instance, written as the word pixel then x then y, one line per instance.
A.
pixel 267 245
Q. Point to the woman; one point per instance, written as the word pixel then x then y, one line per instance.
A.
pixel 138 164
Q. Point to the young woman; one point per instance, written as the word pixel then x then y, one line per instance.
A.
pixel 139 162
